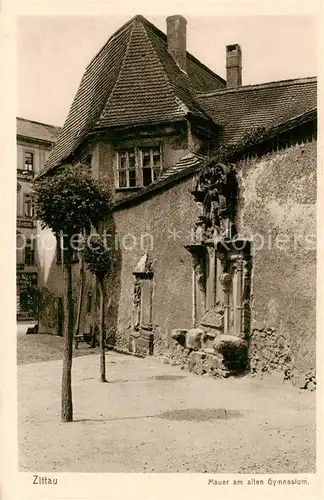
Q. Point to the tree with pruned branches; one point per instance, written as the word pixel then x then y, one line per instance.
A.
pixel 98 260
pixel 70 203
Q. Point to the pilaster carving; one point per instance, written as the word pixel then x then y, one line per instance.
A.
pixel 137 303
pixel 143 274
pixel 238 264
pixel 219 265
pixel 225 280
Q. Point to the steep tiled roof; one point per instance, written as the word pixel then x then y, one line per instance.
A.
pixel 36 130
pixel 264 105
pixel 150 87
pixel 133 80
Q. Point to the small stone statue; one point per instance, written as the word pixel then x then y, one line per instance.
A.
pixel 199 236
pixel 225 281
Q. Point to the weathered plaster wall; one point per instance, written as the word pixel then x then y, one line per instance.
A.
pixel 162 225
pixel 277 208
pixel 51 281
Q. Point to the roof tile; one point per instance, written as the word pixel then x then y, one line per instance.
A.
pixel 134 81
pixel 264 105
pixel 131 81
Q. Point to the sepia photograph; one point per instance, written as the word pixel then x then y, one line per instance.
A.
pixel 166 235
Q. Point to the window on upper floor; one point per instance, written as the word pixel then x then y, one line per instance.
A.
pixel 28 206
pixel 126 168
pixel 138 167
pixel 150 164
pixel 28 161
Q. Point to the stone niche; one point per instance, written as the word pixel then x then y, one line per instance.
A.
pixel 141 338
pixel 218 342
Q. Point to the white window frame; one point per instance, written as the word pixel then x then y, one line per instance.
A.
pixel 138 155
pixel 29 152
pixel 151 149
pixel 126 151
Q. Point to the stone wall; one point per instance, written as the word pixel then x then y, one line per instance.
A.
pixel 163 226
pixel 191 350
pixel 277 209
pixel 269 350
pixel 151 220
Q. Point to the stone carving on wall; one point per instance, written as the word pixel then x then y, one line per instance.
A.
pixel 220 259
pixel 218 191
pixel 137 303
pixel 225 281
pixel 218 342
pixel 199 232
pixel 141 336
pixel 144 266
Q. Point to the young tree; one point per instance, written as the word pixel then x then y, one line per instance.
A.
pixel 70 202
pixel 98 260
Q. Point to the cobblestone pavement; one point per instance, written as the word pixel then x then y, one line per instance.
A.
pixel 152 417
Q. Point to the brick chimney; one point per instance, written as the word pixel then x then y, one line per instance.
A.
pixel 233 66
pixel 177 40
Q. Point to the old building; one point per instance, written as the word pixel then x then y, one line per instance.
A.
pixel 34 142
pixel 214 217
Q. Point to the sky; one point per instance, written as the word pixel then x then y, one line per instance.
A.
pixel 53 52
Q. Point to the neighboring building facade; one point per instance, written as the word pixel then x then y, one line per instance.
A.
pixel 34 142
pixel 199 168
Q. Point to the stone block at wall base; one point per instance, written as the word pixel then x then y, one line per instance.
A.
pixel 141 342
pixel 198 358
pixel 270 351
pixel 179 335
pixel 194 338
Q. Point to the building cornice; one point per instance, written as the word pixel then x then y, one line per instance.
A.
pixel 33 140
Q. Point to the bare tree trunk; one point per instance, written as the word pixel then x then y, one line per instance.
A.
pixel 66 402
pixel 82 279
pixel 102 332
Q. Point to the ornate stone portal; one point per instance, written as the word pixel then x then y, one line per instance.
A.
pixel 141 337
pixel 221 266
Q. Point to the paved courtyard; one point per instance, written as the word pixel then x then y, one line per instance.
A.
pixel 153 417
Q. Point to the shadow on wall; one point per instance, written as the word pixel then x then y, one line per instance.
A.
pixel 52 304
pixel 113 287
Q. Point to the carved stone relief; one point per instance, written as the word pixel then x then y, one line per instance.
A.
pixel 141 337
pixel 221 271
